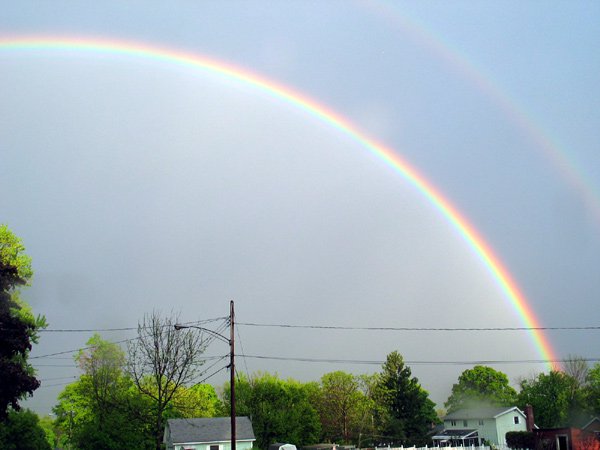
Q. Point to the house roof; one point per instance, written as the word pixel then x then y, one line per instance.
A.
pixel 482 413
pixel 455 434
pixel 209 429
pixel 593 421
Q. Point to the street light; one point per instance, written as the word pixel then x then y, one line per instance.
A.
pixel 231 343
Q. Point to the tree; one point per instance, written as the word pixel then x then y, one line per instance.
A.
pixel 103 364
pixel 592 390
pixel 369 409
pixel 577 368
pixel 49 427
pixel 408 413
pixel 200 400
pixel 22 430
pixel 280 409
pixel 553 397
pixel 341 407
pixel 161 361
pixel 18 326
pixel 103 410
pixel 481 385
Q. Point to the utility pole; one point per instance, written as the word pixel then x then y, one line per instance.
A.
pixel 232 372
pixel 231 342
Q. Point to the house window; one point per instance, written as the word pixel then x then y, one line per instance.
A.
pixel 516 418
pixel 465 423
pixel 480 422
pixel 453 423
pixel 214 447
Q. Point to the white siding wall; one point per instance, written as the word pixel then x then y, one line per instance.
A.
pixel 492 430
pixel 240 445
pixel 506 423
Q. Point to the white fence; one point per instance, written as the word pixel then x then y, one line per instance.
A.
pixel 471 447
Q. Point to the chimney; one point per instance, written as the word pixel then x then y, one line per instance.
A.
pixel 529 417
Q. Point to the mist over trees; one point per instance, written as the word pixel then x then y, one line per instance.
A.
pixel 481 385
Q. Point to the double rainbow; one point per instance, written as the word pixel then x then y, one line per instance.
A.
pixel 170 56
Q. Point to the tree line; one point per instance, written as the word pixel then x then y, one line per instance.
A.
pixel 123 397
pixel 111 406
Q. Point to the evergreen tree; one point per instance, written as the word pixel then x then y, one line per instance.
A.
pixel 407 412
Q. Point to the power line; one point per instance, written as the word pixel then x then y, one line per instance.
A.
pixel 242 348
pixel 213 374
pixel 207 341
pixel 58 378
pixel 416 363
pixel 78 349
pixel 335 327
pixel 219 359
pixel 99 330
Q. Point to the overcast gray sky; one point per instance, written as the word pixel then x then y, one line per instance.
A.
pixel 138 184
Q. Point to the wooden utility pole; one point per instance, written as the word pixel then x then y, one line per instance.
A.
pixel 232 373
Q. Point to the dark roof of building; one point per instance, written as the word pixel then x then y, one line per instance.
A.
pixel 209 429
pixel 458 434
pixel 593 424
pixel 436 429
pixel 480 413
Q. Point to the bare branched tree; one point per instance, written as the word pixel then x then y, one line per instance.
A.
pixel 162 359
pixel 577 368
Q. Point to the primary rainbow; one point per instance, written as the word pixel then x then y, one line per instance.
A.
pixel 120 47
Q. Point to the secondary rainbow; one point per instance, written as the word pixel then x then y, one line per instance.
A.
pixel 171 56
pixel 571 171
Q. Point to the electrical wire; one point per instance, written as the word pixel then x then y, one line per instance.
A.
pixel 213 374
pixel 242 348
pixel 213 365
pixel 336 327
pixel 101 330
pixel 78 349
pixel 457 363
pixel 221 327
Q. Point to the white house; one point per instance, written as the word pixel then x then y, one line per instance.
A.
pixel 211 433
pixel 467 427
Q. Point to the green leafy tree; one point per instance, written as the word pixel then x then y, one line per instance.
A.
pixel 49 427
pixel 555 401
pixel 407 412
pixel 280 410
pixel 200 400
pixel 591 392
pixel 103 409
pixel 369 408
pixel 481 385
pixel 18 326
pixel 22 431
pixel 341 407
